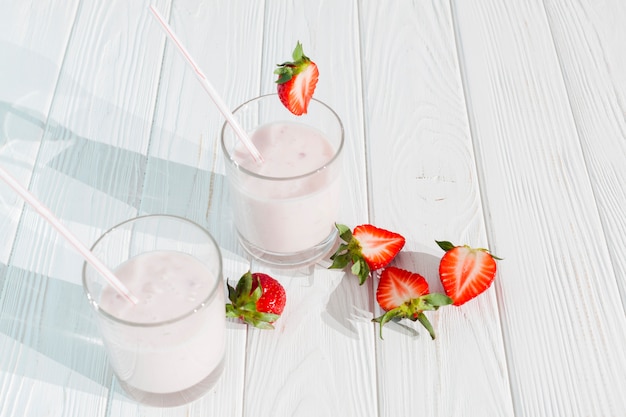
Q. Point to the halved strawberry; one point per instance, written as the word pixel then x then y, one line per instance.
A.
pixel 296 81
pixel 368 248
pixel 465 272
pixel 404 294
pixel 258 300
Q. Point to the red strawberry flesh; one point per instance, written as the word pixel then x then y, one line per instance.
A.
pixel 404 294
pixel 378 246
pixel 466 273
pixel 296 93
pixel 368 248
pixel 398 286
pixel 297 81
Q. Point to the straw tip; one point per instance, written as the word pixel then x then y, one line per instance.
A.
pixel 131 298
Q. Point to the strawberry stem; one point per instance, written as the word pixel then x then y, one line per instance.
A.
pixel 421 317
pixel 414 311
pixel 287 70
pixel 388 316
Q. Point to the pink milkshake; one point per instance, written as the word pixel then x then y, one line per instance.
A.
pixel 168 349
pixel 285 207
pixel 294 214
pixel 169 285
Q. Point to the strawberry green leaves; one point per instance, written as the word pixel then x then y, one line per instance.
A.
pixel 288 69
pixel 297 81
pixel 405 295
pixel 258 300
pixel 414 311
pixel 350 252
pixel 465 273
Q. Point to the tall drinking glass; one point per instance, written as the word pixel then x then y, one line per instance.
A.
pixel 285 207
pixel 168 349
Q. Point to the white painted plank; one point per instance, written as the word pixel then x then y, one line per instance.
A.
pixel 424 185
pixel 33 39
pixel 320 360
pixel 562 316
pixel 591 47
pixel 51 397
pixel 52 360
pixel 92 160
pixel 35 362
pixel 89 171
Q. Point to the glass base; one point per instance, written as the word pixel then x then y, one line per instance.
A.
pixel 173 399
pixel 291 260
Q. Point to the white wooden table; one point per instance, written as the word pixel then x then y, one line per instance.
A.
pixel 497 123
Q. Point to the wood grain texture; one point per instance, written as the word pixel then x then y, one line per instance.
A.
pixel 89 173
pixel 33 41
pixel 423 184
pixel 91 166
pixel 34 361
pixel 562 315
pixel 590 48
pixel 319 360
pixel 50 351
pixel 497 123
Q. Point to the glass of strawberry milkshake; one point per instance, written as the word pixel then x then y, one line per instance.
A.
pixel 285 206
pixel 168 349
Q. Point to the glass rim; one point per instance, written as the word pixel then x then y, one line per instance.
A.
pixel 196 309
pixel 296 177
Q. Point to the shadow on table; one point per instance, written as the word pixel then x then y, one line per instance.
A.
pixel 341 312
pixel 48 333
pixel 49 320
pixel 345 309
pixel 149 184
pixel 14 120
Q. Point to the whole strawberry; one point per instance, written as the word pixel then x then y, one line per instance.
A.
pixel 465 272
pixel 258 300
pixel 297 81
pixel 368 248
pixel 404 294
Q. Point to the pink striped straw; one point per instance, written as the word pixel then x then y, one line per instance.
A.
pixel 72 239
pixel 223 108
